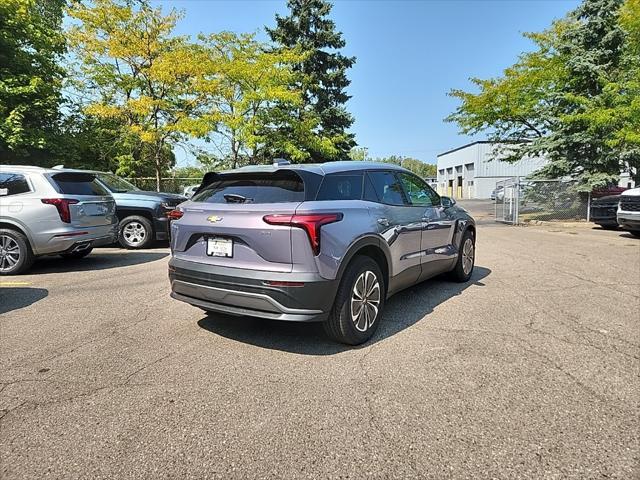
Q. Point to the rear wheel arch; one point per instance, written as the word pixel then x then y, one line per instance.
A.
pixel 11 226
pixel 17 228
pixel 471 229
pixel 134 212
pixel 368 247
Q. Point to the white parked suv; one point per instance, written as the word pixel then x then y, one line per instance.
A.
pixel 628 214
pixel 51 212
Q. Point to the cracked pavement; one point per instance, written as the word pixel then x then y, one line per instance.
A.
pixel 531 370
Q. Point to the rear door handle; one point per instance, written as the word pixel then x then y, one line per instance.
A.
pixel 384 222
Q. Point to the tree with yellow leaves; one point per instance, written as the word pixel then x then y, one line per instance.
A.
pixel 131 68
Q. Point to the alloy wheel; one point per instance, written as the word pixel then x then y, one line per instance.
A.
pixel 9 253
pixel 134 233
pixel 468 253
pixel 365 300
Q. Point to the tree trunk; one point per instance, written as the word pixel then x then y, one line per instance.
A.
pixel 158 171
pixel 234 151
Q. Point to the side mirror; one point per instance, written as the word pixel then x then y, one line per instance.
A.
pixel 447 202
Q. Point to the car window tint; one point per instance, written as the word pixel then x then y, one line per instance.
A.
pixel 387 188
pixel 369 191
pixel 341 187
pixel 418 191
pixel 115 183
pixel 72 183
pixel 13 184
pixel 253 188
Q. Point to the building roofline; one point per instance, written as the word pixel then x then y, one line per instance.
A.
pixel 464 146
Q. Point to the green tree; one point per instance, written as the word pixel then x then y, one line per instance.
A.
pixel 31 48
pixel 243 80
pixel 136 72
pixel 420 168
pixel 90 142
pixel 211 163
pixel 323 78
pixel 359 154
pixel 614 114
pixel 550 101
pixel 188 172
pixel 424 170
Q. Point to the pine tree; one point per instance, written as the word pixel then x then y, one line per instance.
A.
pixel 592 47
pixel 323 73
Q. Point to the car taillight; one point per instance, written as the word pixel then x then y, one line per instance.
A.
pixel 311 223
pixel 175 214
pixel 62 205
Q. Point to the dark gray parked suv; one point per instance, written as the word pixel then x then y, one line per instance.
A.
pixel 142 215
pixel 324 243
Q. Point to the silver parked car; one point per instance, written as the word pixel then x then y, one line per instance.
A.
pixel 326 242
pixel 51 212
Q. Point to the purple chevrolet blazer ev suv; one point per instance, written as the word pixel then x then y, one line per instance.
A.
pixel 328 243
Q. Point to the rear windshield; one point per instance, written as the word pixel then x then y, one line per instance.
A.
pixel 115 183
pixel 72 183
pixel 253 188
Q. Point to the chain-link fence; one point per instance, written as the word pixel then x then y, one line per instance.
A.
pixel 169 184
pixel 527 200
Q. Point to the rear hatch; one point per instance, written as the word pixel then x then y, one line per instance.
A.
pixel 84 201
pixel 224 225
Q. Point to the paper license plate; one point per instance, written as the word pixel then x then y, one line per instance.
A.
pixel 219 247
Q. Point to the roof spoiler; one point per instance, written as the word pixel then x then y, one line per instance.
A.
pixel 207 180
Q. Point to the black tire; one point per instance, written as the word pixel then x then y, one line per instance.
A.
pixel 461 272
pixel 77 255
pixel 609 226
pixel 635 233
pixel 14 246
pixel 135 232
pixel 341 326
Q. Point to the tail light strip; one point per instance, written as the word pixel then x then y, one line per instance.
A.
pixel 311 223
pixel 62 205
pixel 175 214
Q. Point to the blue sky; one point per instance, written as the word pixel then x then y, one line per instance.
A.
pixel 409 55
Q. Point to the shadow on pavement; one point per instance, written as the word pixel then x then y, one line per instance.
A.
pixel 629 235
pixel 19 297
pixel 96 260
pixel 402 311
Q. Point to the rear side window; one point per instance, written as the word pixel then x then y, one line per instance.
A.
pixel 387 188
pixel 253 188
pixel 341 187
pixel 13 184
pixel 72 183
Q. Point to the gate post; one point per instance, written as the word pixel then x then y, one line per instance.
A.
pixel 516 215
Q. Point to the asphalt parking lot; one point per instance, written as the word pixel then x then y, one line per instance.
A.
pixel 529 371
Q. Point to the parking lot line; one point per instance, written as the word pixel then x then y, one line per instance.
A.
pixel 14 284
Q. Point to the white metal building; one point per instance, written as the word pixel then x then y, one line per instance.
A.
pixel 471 171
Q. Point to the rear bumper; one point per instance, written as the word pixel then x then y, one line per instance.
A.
pixel 629 220
pixel 243 292
pixel 68 239
pixel 604 220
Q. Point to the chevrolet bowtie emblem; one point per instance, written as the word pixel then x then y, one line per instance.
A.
pixel 214 218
